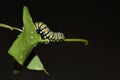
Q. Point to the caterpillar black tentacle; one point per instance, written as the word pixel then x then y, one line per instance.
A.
pixel 46 33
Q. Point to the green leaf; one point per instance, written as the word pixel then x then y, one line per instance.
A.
pixel 36 64
pixel 15 72
pixel 26 41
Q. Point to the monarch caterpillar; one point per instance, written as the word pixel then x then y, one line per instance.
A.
pixel 46 33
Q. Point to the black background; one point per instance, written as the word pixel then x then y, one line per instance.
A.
pixel 92 20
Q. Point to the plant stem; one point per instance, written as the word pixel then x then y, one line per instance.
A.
pixel 76 40
pixel 45 41
pixel 10 27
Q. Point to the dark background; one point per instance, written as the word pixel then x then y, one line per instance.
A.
pixel 96 21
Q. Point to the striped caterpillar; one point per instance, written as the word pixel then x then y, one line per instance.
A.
pixel 43 30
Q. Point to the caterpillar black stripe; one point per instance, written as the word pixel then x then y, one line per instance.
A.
pixel 42 29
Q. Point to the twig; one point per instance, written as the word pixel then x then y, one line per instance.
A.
pixel 76 40
pixel 46 41
pixel 10 27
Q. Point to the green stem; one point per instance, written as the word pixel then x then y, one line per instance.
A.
pixel 76 40
pixel 45 41
pixel 10 27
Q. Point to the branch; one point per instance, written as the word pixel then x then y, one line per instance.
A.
pixel 10 27
pixel 46 41
pixel 76 40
